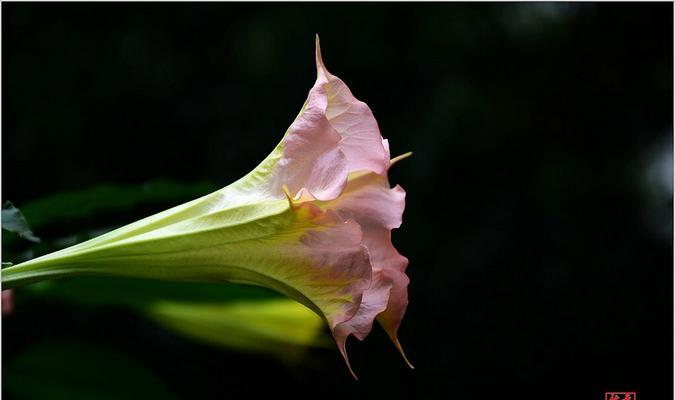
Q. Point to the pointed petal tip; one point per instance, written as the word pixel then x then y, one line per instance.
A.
pixel 319 59
pixel 397 343
pixel 320 67
pixel 356 378
pixel 343 350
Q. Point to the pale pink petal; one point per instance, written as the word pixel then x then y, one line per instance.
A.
pixel 368 199
pixel 333 135
pixel 383 254
pixel 334 159
pixel 354 121
pixel 390 319
pixel 374 301
pixel 387 153
pixel 388 261
pixel 340 265
pixel 312 159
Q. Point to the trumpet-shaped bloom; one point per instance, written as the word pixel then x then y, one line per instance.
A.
pixel 312 221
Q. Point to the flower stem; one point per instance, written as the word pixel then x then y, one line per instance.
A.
pixel 38 270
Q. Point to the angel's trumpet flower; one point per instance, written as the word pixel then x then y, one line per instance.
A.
pixel 312 221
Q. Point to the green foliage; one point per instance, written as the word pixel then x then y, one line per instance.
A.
pixel 246 318
pixel 91 202
pixel 78 371
pixel 14 221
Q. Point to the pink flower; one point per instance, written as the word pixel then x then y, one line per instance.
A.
pixel 312 221
pixel 347 176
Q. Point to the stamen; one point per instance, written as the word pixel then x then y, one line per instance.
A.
pixel 399 158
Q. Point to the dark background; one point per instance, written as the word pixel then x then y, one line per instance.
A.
pixel 539 210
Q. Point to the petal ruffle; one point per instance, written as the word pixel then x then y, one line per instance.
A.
pixel 312 159
pixel 333 135
pixel 368 199
pixel 353 120
pixel 364 197
pixel 373 302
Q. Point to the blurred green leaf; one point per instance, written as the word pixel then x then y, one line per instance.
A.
pixel 280 327
pixel 248 318
pixel 14 221
pixel 87 203
pixel 79 372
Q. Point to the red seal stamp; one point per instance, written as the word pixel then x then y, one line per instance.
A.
pixel 620 396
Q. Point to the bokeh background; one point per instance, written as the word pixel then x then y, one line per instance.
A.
pixel 539 210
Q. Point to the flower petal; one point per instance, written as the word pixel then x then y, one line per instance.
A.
pixel 368 199
pixel 334 134
pixel 390 319
pixel 374 301
pixel 353 120
pixel 312 158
